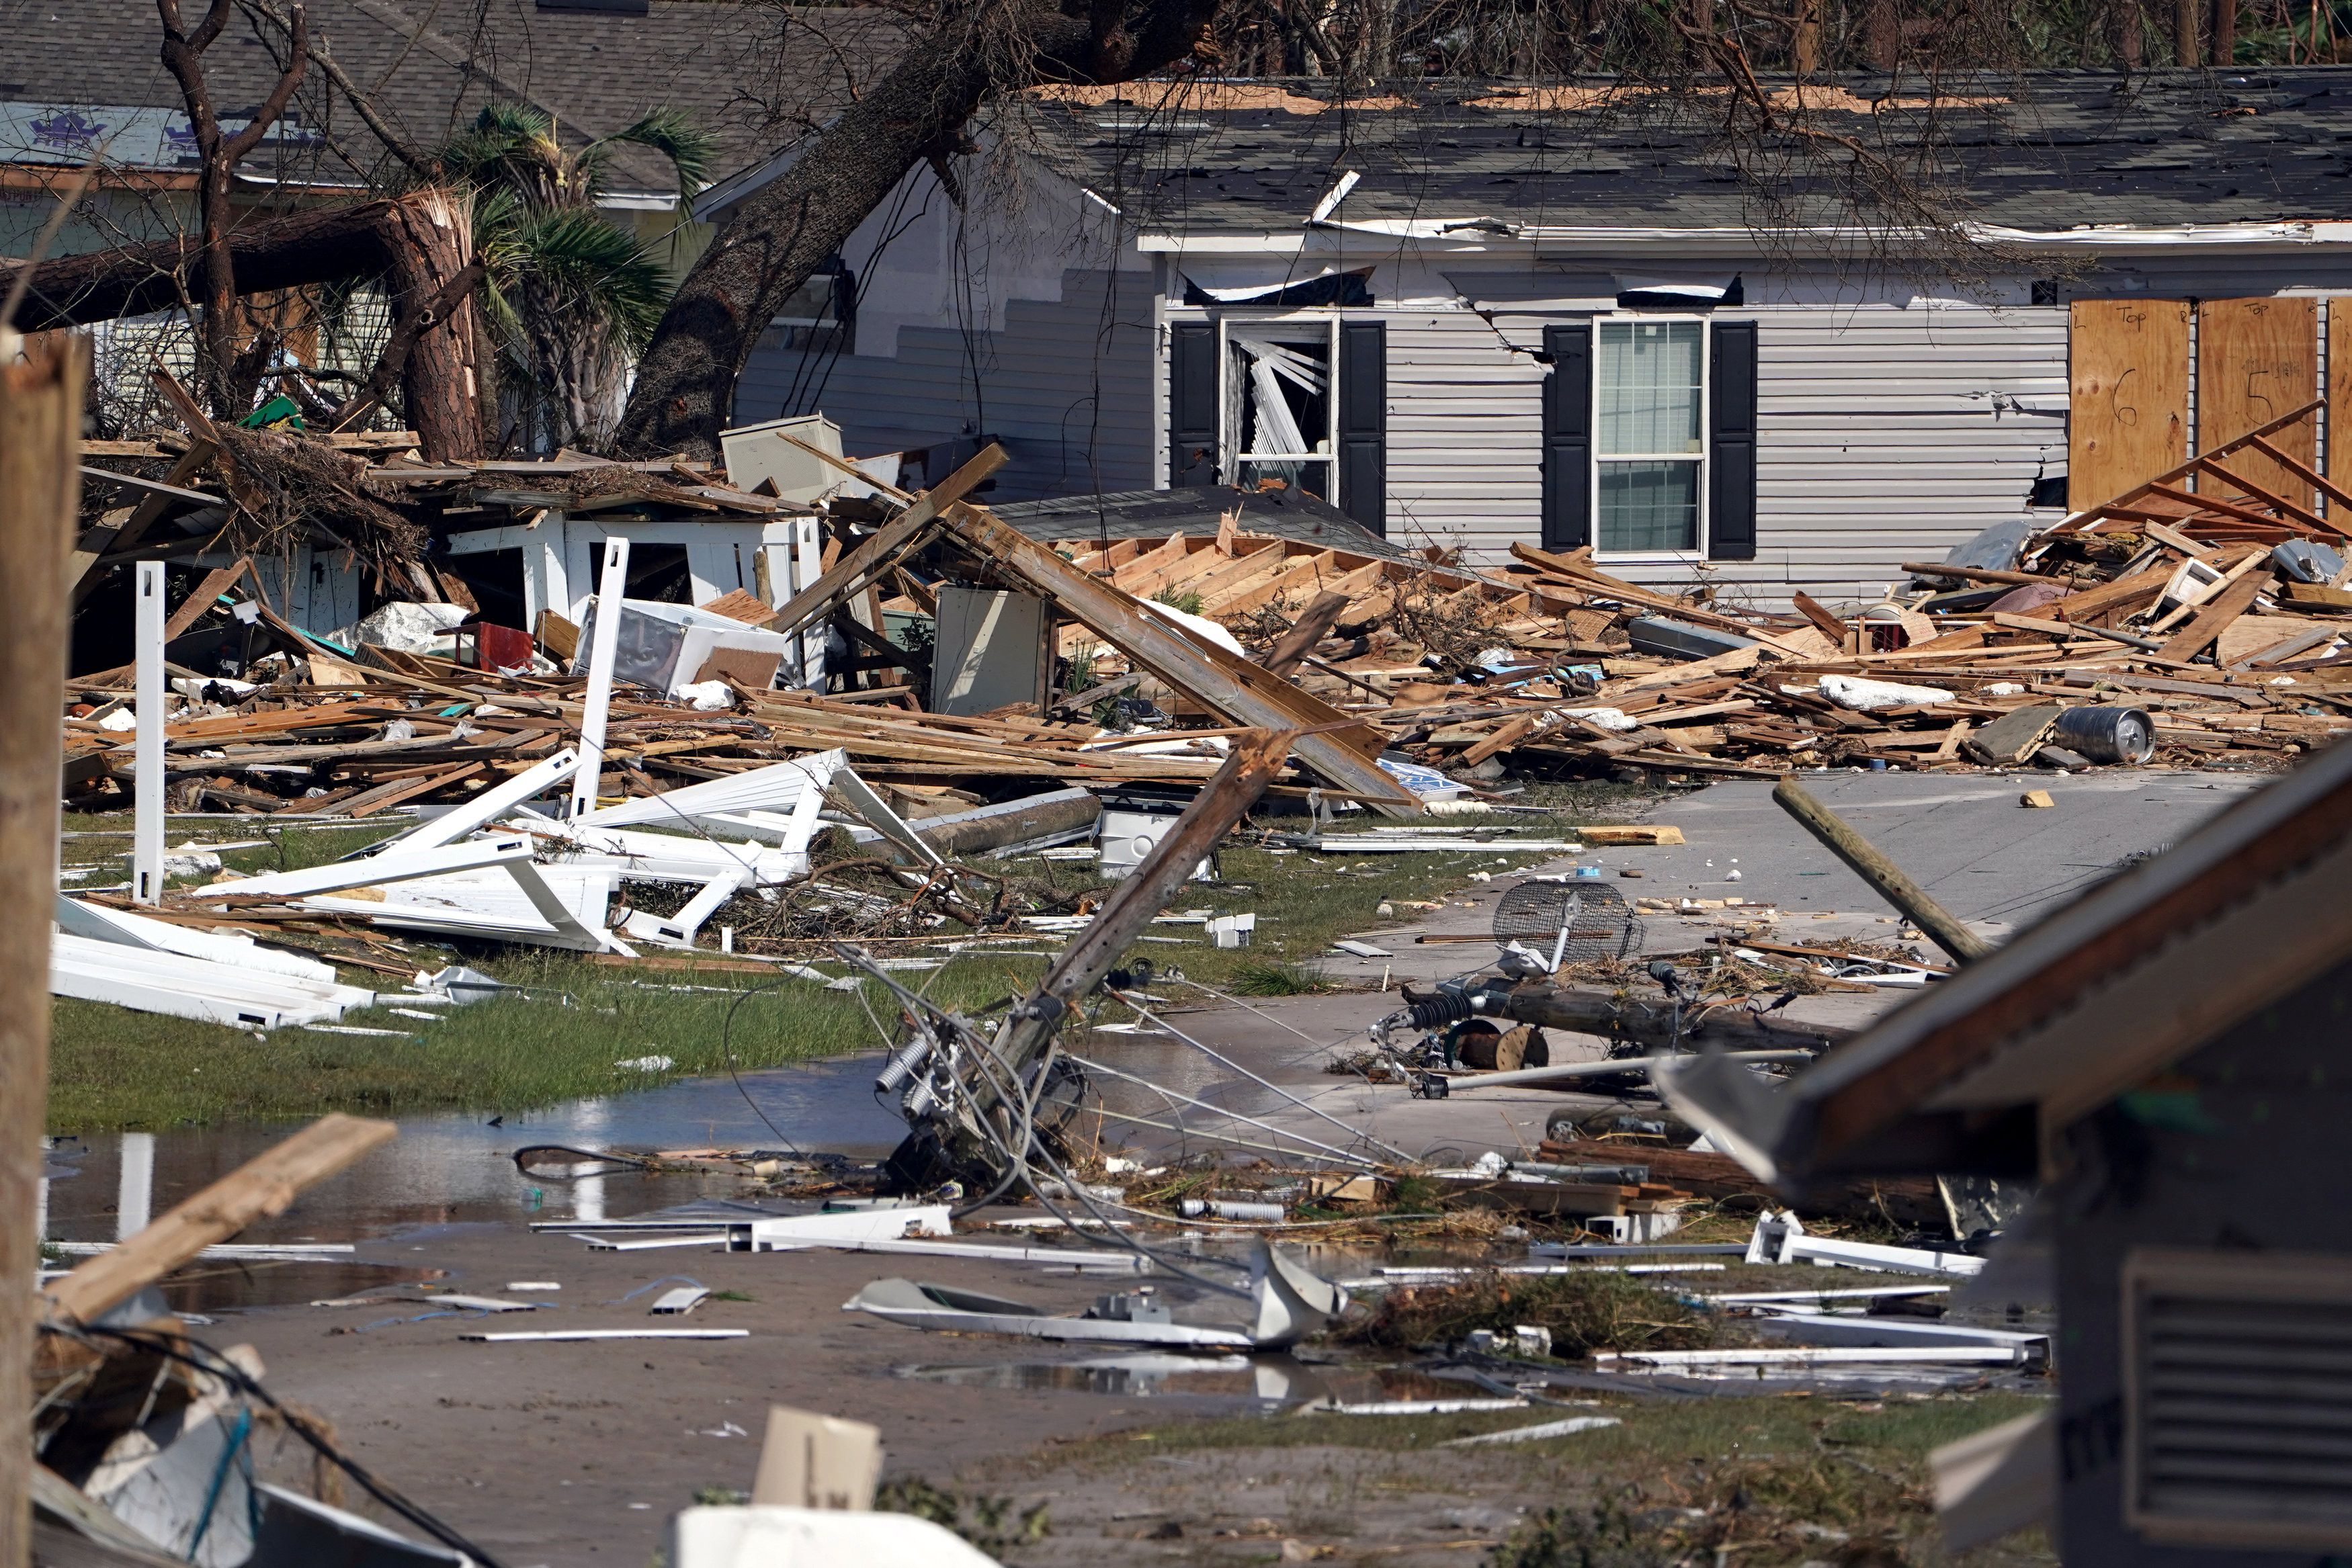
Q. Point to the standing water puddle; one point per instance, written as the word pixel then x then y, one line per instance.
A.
pixel 1277 1379
pixel 455 1167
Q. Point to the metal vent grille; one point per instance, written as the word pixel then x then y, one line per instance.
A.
pixel 1603 925
pixel 2239 1398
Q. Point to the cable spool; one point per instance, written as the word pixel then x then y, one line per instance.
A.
pixel 1533 913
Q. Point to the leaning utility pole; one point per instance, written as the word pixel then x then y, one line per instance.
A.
pixel 40 488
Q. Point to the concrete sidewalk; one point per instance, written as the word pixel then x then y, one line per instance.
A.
pixel 1996 863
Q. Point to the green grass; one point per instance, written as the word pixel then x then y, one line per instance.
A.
pixel 110 1068
pixel 1793 1479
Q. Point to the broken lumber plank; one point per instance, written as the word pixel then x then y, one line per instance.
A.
pixel 2015 735
pixel 262 1187
pixel 1632 835
pixel 2216 613
pixel 1813 610
pixel 1314 623
pixel 2073 629
pixel 1340 749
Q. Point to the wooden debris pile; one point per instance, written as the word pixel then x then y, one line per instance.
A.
pixel 2207 602
pixel 2213 617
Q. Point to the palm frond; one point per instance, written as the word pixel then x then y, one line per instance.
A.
pixel 673 134
pixel 575 262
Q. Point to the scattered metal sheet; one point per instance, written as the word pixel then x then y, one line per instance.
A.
pixel 1537 1433
pixel 558 1335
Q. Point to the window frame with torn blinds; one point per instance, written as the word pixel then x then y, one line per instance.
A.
pixel 1213 401
pixel 1577 452
pixel 2222 1354
pixel 1242 397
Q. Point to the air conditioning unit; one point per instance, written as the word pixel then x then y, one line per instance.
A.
pixel 2238 1399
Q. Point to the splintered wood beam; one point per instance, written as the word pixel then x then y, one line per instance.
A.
pixel 884 547
pixel 206 595
pixel 2208 623
pixel 40 420
pixel 1813 610
pixel 263 1186
pixel 1314 624
pixel 1337 748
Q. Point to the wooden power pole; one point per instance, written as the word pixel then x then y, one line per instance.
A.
pixel 40 487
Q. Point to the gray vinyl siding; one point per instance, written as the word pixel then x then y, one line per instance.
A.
pixel 1466 435
pixel 1065 385
pixel 1879 440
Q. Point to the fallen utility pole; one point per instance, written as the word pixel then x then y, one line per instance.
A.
pixel 1881 873
pixel 40 491
pixel 1659 1027
pixel 964 1121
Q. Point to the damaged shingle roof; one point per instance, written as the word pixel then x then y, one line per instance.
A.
pixel 2041 151
pixel 755 76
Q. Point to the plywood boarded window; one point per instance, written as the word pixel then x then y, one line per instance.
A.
pixel 2129 364
pixel 2256 359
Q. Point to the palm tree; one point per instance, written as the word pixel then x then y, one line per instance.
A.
pixel 570 297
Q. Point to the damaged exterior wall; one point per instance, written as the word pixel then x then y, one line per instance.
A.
pixel 972 326
pixel 1894 417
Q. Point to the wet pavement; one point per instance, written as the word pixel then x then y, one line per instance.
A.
pixel 572 1453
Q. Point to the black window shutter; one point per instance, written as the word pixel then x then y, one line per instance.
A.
pixel 1364 422
pixel 1731 442
pixel 1193 415
pixel 1568 438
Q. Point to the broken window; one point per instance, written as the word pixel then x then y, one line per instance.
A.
pixel 1278 407
pixel 1649 389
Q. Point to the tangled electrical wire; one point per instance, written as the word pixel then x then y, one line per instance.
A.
pixel 205 1359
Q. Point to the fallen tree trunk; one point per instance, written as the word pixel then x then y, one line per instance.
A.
pixel 780 233
pixel 324 244
pixel 415 242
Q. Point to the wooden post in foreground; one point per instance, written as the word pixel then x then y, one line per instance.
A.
pixel 263 1186
pixel 1882 874
pixel 40 487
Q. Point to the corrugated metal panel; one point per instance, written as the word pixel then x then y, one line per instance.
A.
pixel 1067 385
